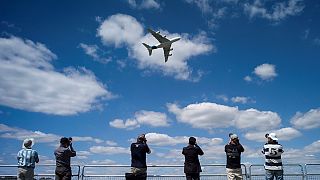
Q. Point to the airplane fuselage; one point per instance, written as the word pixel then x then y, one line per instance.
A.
pixel 166 44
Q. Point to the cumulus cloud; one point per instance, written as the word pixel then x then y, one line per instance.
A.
pixel 144 4
pixel 211 115
pixel 39 137
pixel 159 139
pixel 94 51
pixel 242 100
pixel 308 120
pixel 278 12
pixel 265 71
pixel 151 118
pixel 112 150
pixel 284 134
pixel 28 81
pixel 124 30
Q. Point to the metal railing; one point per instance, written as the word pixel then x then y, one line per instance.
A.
pixel 42 172
pixel 164 172
pixel 312 171
pixel 291 172
pixel 155 172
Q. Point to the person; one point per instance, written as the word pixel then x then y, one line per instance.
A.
pixel 233 152
pixel 273 163
pixel 63 156
pixel 27 157
pixel 192 166
pixel 139 150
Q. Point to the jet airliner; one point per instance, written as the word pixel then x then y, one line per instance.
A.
pixel 165 43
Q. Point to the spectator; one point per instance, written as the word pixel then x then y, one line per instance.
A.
pixel 192 166
pixel 63 156
pixel 27 157
pixel 233 151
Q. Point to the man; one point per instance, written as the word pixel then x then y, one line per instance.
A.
pixel 139 150
pixel 233 151
pixel 192 166
pixel 63 155
pixel 27 158
pixel 273 163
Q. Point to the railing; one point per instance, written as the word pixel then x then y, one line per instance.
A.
pixel 290 172
pixel 155 172
pixel 164 172
pixel 312 171
pixel 42 172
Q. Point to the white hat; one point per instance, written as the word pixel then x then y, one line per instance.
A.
pixel 273 136
pixel 26 143
pixel 233 136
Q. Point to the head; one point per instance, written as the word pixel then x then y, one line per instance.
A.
pixel 192 140
pixel 65 142
pixel 28 143
pixel 142 138
pixel 272 137
pixel 233 138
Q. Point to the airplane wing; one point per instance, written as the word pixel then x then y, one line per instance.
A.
pixel 166 51
pixel 158 36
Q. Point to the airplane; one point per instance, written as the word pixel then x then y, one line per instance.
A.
pixel 165 43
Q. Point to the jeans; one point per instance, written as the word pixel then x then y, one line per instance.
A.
pixel 270 174
pixel 63 173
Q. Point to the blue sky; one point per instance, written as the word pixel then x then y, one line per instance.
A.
pixel 79 69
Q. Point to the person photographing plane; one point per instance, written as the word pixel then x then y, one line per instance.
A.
pixel 139 150
pixel 233 152
pixel 192 166
pixel 63 156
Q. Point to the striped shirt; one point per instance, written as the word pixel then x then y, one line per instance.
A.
pixel 272 154
pixel 27 158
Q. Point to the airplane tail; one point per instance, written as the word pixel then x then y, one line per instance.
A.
pixel 148 47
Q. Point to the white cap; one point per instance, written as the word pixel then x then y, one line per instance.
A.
pixel 273 136
pixel 233 136
pixel 26 143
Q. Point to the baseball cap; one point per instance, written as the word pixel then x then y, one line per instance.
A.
pixel 273 136
pixel 233 136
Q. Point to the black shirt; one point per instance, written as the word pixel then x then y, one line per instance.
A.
pixel 138 154
pixel 192 163
pixel 233 152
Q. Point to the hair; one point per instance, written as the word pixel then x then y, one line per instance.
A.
pixel 28 144
pixel 64 141
pixel 192 140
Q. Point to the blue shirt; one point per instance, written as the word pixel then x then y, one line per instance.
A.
pixel 27 158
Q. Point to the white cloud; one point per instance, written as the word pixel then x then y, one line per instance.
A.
pixel 316 41
pixel 124 30
pixel 39 137
pixel 284 134
pixel 279 11
pixel 211 115
pixel 104 162
pixel 203 5
pixel 145 4
pixel 261 120
pixel 109 150
pixel 265 71
pixel 309 120
pixel 240 99
pixel 29 82
pixel 127 124
pixel 151 118
pixel 111 143
pixel 94 51
pixel 205 115
pixel 159 139
pixel 248 78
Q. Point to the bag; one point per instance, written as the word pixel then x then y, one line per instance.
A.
pixel 131 176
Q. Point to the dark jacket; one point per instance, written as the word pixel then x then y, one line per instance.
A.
pixel 191 163
pixel 63 156
pixel 138 154
pixel 233 152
